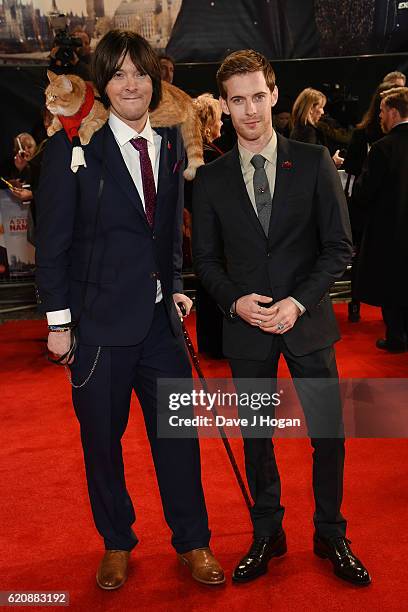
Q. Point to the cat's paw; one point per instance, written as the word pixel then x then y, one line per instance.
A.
pixel 190 172
pixel 52 129
pixel 85 135
pixel 85 140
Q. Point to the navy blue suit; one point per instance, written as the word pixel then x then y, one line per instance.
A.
pixel 140 341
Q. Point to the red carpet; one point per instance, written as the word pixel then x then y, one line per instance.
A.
pixel 48 541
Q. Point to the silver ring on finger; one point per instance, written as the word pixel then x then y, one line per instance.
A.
pixel 280 326
pixel 259 323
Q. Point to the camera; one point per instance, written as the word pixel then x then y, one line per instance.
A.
pixel 66 44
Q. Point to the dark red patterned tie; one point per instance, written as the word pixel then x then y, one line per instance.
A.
pixel 149 188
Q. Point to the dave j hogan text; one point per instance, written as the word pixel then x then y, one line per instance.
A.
pixel 257 420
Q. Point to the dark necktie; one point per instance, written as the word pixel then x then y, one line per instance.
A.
pixel 149 188
pixel 262 192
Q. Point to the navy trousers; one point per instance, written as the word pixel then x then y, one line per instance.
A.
pixel 102 408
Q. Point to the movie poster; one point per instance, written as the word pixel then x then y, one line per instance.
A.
pixel 13 238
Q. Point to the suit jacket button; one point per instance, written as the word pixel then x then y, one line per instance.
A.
pixel 268 254
pixel 154 236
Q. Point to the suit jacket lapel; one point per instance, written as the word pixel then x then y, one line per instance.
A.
pixel 164 167
pixel 282 183
pixel 237 190
pixel 117 168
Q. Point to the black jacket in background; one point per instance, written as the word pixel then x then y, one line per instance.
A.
pixel 381 193
pixel 310 134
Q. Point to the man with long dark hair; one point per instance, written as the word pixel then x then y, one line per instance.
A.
pixel 109 258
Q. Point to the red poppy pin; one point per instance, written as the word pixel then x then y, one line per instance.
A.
pixel 169 145
pixel 287 165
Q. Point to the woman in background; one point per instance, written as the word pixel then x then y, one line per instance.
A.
pixel 25 175
pixel 208 315
pixel 209 112
pixel 24 148
pixel 306 114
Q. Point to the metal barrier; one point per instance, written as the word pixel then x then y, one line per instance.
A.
pixel 19 294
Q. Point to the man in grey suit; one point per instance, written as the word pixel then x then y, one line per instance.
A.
pixel 270 236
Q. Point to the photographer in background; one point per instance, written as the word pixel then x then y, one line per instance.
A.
pixel 71 53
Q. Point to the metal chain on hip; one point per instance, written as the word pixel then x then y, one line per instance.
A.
pixel 88 378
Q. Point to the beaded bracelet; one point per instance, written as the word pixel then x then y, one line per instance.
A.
pixel 60 328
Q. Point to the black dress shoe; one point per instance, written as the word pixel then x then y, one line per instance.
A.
pixel 345 564
pixel 255 562
pixel 391 347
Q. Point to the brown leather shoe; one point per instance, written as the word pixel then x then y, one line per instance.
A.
pixel 203 565
pixel 112 571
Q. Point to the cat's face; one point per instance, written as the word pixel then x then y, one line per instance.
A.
pixel 61 97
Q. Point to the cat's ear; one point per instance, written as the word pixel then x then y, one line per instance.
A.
pixel 51 76
pixel 65 83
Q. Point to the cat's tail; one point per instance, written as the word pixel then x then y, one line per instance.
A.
pixel 193 143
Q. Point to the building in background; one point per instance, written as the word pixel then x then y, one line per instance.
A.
pixel 151 19
pixel 25 29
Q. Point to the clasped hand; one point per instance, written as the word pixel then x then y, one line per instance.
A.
pixel 276 319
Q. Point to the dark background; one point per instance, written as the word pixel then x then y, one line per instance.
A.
pixel 284 29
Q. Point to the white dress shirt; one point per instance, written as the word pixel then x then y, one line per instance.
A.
pixel 123 134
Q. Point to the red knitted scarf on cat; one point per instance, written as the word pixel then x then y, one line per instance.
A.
pixel 72 124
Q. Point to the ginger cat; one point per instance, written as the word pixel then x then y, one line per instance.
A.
pixel 177 108
pixel 64 96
